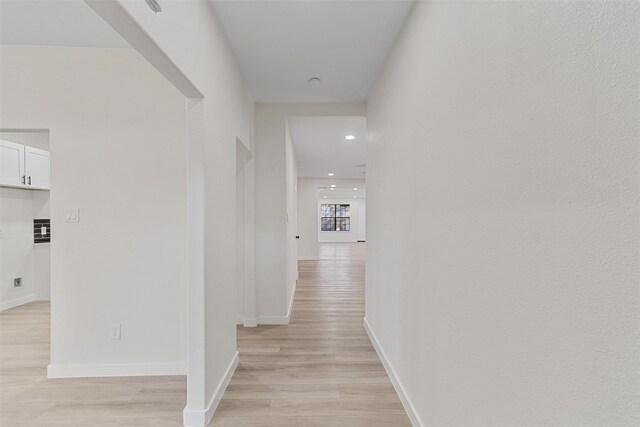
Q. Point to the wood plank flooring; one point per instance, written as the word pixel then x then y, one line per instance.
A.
pixel 29 399
pixel 318 371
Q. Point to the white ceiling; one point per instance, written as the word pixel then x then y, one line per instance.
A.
pixel 54 23
pixel 281 44
pixel 342 191
pixel 321 148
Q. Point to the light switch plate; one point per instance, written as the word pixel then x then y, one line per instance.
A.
pixel 72 215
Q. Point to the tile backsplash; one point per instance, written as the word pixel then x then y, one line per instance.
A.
pixel 40 234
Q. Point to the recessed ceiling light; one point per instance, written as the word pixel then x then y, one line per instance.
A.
pixel 350 137
pixel 355 188
pixel 324 197
pixel 332 188
pixel 331 174
pixel 333 185
pixel 355 197
pixel 315 81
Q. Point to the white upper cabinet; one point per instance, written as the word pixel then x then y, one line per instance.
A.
pixel 36 168
pixel 23 166
pixel 11 163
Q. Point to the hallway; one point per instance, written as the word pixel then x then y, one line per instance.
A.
pixel 321 369
pixel 171 170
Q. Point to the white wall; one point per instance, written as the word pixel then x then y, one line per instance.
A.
pixel 309 212
pixel 272 234
pixel 270 206
pixel 505 291
pixel 291 217
pixel 117 139
pixel 245 262
pixel 42 270
pixel 38 138
pixel 361 232
pixel 240 235
pixel 307 219
pixel 186 44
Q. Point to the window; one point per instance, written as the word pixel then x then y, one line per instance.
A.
pixel 335 218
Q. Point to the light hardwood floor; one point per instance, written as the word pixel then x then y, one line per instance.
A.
pixel 28 398
pixel 320 370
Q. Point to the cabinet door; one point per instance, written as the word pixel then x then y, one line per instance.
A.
pixel 37 168
pixel 11 163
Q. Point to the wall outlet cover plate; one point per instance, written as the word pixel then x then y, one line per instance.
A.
pixel 116 331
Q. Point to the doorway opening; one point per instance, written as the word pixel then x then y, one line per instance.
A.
pixel 24 219
pixel 331 183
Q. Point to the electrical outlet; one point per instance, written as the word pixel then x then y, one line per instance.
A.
pixel 116 331
pixel 17 282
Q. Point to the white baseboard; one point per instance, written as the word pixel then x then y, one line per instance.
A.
pixel 250 322
pixel 116 370
pixel 202 417
pixel 247 322
pixel 279 320
pixel 406 402
pixel 307 258
pixel 16 302
pixel 273 320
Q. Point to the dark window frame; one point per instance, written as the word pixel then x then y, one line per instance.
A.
pixel 329 223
